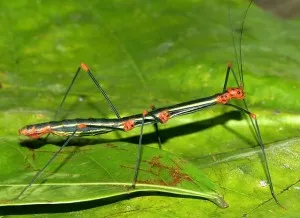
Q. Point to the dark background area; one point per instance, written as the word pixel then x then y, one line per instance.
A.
pixel 288 9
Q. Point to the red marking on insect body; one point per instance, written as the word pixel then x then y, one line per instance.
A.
pixel 128 125
pixel 84 67
pixel 229 64
pixel 145 112
pixel 223 98
pixel 231 93
pixel 34 132
pixel 81 126
pixel 253 115
pixel 164 116
pixel 236 93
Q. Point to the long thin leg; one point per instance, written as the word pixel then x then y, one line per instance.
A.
pixel 226 77
pixel 86 69
pixel 251 115
pixel 64 98
pixel 156 129
pixel 46 165
pixel 229 68
pixel 140 151
pixel 238 52
pixel 256 130
pixel 260 142
pixel 67 92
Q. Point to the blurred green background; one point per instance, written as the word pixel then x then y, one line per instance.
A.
pixel 161 53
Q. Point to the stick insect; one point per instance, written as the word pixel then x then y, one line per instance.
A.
pixel 94 126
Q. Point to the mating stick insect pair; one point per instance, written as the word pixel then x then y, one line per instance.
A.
pixel 94 126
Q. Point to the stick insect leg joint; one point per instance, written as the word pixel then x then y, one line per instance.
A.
pixel 145 113
pixel 128 125
pixel 84 67
pixel 164 116
pixel 231 93
pixel 252 115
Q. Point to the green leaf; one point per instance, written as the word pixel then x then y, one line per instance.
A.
pixel 161 53
pixel 101 171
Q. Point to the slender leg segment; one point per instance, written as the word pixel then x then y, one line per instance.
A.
pixel 245 110
pixel 229 68
pixel 256 130
pixel 156 130
pixel 46 165
pixel 140 151
pixel 86 69
pixel 260 142
pixel 165 117
pixel 226 76
pixel 67 92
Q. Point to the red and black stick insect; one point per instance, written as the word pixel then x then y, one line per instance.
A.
pixel 94 126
